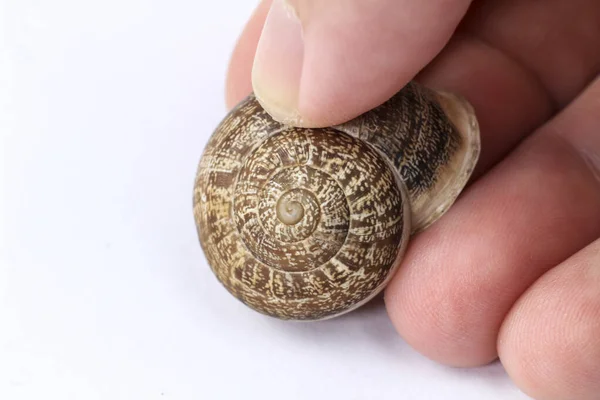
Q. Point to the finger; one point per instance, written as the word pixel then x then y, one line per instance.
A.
pixel 508 101
pixel 239 84
pixel 323 62
pixel 540 205
pixel 556 40
pixel 519 61
pixel 550 341
pixel 508 97
pixel 495 91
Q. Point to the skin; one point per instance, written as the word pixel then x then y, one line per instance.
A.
pixel 512 271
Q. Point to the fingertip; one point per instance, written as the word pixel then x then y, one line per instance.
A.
pixel 324 63
pixel 277 67
pixel 550 341
pixel 434 306
pixel 238 83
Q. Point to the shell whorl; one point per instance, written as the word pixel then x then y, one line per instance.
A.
pixel 432 138
pixel 297 223
pixel 309 224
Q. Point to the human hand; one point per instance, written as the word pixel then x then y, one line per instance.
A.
pixel 513 269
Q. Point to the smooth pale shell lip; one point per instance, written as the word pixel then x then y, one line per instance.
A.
pixel 462 115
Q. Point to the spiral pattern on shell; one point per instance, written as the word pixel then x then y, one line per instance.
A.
pixel 308 224
pixel 298 223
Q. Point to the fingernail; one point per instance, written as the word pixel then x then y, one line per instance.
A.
pixel 278 63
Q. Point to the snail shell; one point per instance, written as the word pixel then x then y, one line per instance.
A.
pixel 308 224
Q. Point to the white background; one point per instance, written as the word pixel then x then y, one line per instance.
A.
pixel 105 294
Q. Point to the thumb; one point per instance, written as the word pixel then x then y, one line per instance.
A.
pixel 321 63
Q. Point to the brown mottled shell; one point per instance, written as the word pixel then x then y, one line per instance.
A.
pixel 309 224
